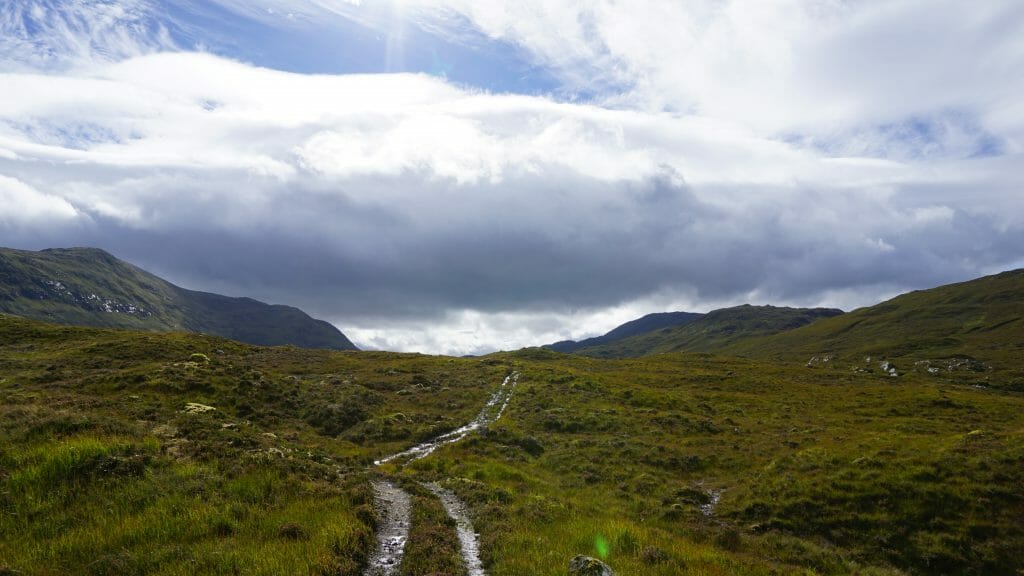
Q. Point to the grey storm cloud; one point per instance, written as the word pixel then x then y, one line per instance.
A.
pixel 535 244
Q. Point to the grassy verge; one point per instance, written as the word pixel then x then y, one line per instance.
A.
pixel 433 547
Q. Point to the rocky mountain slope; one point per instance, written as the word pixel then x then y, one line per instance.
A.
pixel 89 287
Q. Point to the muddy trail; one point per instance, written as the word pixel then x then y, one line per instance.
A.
pixel 394 511
pixel 491 411
pixel 394 504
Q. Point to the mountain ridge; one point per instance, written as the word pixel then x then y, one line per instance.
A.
pixel 982 317
pixel 706 332
pixel 976 325
pixel 91 287
pixel 647 323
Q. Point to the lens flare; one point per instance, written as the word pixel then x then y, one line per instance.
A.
pixel 601 546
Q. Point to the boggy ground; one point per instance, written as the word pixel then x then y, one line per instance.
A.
pixel 818 471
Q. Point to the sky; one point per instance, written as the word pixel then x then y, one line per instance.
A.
pixel 463 176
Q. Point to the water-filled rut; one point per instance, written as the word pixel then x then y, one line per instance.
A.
pixel 394 510
pixel 464 528
pixel 393 503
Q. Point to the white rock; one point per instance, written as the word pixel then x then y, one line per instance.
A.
pixel 196 408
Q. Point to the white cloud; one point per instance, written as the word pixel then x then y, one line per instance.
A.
pixel 21 205
pixel 193 110
pixel 927 215
pixel 810 67
pixel 464 332
pixel 59 34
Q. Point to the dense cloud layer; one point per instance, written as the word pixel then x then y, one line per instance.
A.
pixel 422 215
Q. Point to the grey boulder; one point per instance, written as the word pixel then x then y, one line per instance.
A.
pixel 587 566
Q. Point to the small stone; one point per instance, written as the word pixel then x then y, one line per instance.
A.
pixel 165 431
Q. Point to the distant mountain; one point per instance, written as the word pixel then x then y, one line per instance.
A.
pixel 710 332
pixel 89 287
pixel 982 318
pixel 648 323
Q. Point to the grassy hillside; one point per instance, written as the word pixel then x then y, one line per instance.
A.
pixel 648 323
pixel 975 326
pixel 662 465
pixel 710 332
pixel 89 287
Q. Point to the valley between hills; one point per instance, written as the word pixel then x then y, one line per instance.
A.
pixel 751 440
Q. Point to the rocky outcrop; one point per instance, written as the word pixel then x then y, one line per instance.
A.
pixel 889 368
pixel 819 361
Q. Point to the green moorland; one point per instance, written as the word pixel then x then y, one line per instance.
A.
pixel 89 287
pixel 667 464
